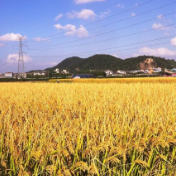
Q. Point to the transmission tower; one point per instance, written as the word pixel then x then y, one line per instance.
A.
pixel 21 71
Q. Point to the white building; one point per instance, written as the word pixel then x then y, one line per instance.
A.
pixel 65 71
pixel 109 72
pixel 156 70
pixel 121 72
pixel 8 74
pixel 174 69
pixel 1 75
pixel 40 73
pixel 56 70
pixel 21 75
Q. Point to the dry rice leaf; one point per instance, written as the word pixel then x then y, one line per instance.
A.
pixel 82 165
pixel 163 157
pixel 3 163
pixel 71 150
pixel 113 151
pixel 65 153
pixel 92 169
pixel 67 173
pixel 161 143
pixel 21 173
pixel 112 160
pixel 59 173
pixel 171 141
pixel 142 163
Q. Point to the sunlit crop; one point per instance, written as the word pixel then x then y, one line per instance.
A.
pixel 107 129
pixel 118 80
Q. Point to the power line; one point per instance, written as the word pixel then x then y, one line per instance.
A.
pixel 48 47
pixel 11 64
pixel 107 18
pixel 136 15
pixel 109 31
pixel 139 5
pixel 7 49
pixel 85 24
pixel 115 47
pixel 135 47
pixel 119 20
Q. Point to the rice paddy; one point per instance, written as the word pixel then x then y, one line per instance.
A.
pixel 118 127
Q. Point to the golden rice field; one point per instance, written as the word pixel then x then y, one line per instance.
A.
pixel 118 80
pixel 109 129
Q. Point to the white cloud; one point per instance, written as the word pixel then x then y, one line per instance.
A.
pixel 11 37
pixel 39 39
pixel 120 5
pixel 2 45
pixel 83 14
pixel 13 58
pixel 133 14
pixel 47 63
pixel 72 30
pixel 104 14
pixel 156 52
pixel 167 34
pixel 87 1
pixel 159 16
pixel 58 17
pixel 159 26
pixel 173 41
pixel 82 32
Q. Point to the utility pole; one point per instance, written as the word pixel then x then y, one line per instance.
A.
pixel 21 71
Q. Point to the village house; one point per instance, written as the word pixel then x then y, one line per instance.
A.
pixel 20 75
pixel 8 74
pixel 1 75
pixel 173 70
pixel 121 72
pixel 168 73
pixel 156 70
pixel 65 72
pixel 56 70
pixel 40 73
pixel 108 72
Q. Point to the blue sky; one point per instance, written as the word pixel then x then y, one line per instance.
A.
pixel 57 29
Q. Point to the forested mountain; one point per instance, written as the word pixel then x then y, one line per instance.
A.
pixel 133 63
pixel 103 62
pixel 69 64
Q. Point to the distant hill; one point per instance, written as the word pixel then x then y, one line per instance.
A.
pixel 103 62
pixel 69 63
pixel 96 62
pixel 133 63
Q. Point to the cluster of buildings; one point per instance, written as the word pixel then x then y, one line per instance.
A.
pixel 31 74
pixel 123 72
pixel 110 73
pixel 8 75
pixel 22 75
pixel 62 72
pixel 152 71
pixel 170 73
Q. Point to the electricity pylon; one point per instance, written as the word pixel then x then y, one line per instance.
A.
pixel 21 71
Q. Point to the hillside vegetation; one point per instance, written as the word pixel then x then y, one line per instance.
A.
pixel 103 62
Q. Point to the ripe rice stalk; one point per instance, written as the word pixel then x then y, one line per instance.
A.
pixel 55 126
